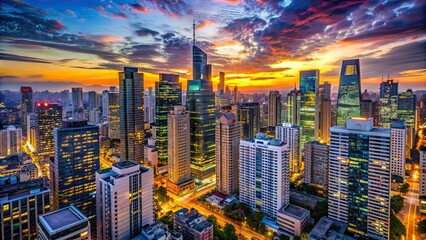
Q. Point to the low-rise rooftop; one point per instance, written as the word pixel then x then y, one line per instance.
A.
pixel 62 218
pixel 295 212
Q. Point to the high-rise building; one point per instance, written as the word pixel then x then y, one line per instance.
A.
pixel 65 98
pixel 179 151
pixel 209 71
pixel 93 108
pixel 293 107
pixel 65 223
pixel 105 104
pixel 274 109
pixel 31 131
pixel 200 104
pixel 359 177
pixel 114 115
pixel 264 182
pixel 309 119
pixel 150 106
pixel 49 116
pixel 199 64
pixel 192 225
pixel 26 106
pixel 397 148
pixel 10 141
pixel 20 205
pixel 388 102
pixel 235 95
pixel 168 93
pixel 131 115
pixel 72 172
pixel 324 115
pixel 77 103
pixel 315 156
pixel 221 86
pixel 349 95
pixel 290 134
pixel 370 109
pixel 228 134
pixel 248 114
pixel 124 200
pixel 407 111
pixel 388 88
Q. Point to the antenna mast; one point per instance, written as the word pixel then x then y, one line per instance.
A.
pixel 193 33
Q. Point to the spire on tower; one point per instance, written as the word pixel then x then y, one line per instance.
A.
pixel 193 32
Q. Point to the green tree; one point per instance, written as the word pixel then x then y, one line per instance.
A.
pixel 161 194
pixel 212 219
pixel 421 226
pixel 229 232
pixel 397 202
pixel 168 219
pixel 304 236
pixel 397 229
pixel 404 188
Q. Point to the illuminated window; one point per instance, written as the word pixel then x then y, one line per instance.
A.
pixel 350 70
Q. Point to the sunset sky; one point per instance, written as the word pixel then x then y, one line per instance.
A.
pixel 261 45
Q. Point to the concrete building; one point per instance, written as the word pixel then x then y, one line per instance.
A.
pixel 293 219
pixel 65 223
pixel 124 200
pixel 228 133
pixel 179 151
pixel 158 231
pixel 20 205
pixel 359 157
pixel 329 229
pixel 49 116
pixel 324 115
pixel 274 109
pixel 131 115
pixel 10 141
pixel 192 225
pixel 248 114
pixel 398 142
pixel 315 156
pixel 114 115
pixel 293 107
pixel 264 174
pixel 290 134
pixel 18 165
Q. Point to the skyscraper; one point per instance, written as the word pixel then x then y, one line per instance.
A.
pixel 290 134
pixel 114 115
pixel 124 200
pixel 359 177
pixel 388 102
pixel 131 115
pixel 200 104
pixel 388 88
pixel 397 148
pixel 10 141
pixel 228 133
pixel 235 95
pixel 370 109
pixel 315 155
pixel 309 119
pixel 264 174
pixel 77 103
pixel 407 111
pixel 26 107
pixel 49 116
pixel 324 114
pixel 209 72
pixel 221 86
pixel 274 109
pixel 74 167
pixel 293 107
pixel 150 106
pixel 179 151
pixel 93 107
pixel 248 114
pixel 199 63
pixel 168 93
pixel 105 104
pixel 349 95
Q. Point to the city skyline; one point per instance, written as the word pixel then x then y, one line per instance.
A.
pixel 88 44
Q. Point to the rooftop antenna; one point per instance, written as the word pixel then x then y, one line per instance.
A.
pixel 193 32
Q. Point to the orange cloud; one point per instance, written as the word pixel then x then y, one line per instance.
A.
pixel 107 38
pixel 234 2
pixel 203 24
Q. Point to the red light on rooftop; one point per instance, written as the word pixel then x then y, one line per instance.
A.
pixel 38 104
pixel 45 104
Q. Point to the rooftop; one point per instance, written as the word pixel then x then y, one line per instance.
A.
pixel 325 226
pixel 124 164
pixel 61 218
pixel 295 211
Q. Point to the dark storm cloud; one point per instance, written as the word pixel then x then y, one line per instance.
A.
pixel 18 58
pixel 144 32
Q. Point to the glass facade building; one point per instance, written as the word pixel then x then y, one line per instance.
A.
pixel 131 115
pixel 48 117
pixel 293 107
pixel 406 111
pixel 349 95
pixel 388 102
pixel 248 115
pixel 73 170
pixel 309 81
pixel 200 70
pixel 26 106
pixel 201 105
pixel 168 93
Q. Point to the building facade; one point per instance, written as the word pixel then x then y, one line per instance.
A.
pixel 309 118
pixel 114 115
pixel 10 141
pixel 315 156
pixel 397 154
pixel 192 225
pixel 290 134
pixel 274 109
pixel 248 114
pixel 324 115
pixel 131 115
pixel 388 102
pixel 407 111
pixel 49 116
pixel 293 107
pixel 26 98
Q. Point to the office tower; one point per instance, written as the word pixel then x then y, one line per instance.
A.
pixel 407 111
pixel 125 206
pixel 209 72
pixel 179 151
pixel 248 114
pixel 422 163
pixel 73 169
pixel 221 86
pixel 370 109
pixel 77 103
pixel 10 141
pixel 264 182
pixel 315 156
pixel 131 115
pixel 93 108
pixel 150 106
pixel 65 223
pixel 397 148
pixel 114 115
pixel 349 96
pixel 228 133
pixel 235 95
pixel 274 109
pixel 359 177
pixel 388 88
pixel 192 225
pixel 65 98
pixel 200 69
pixel 20 205
pixel 324 114
pixel 293 107
pixel 290 135
pixel 49 116
pixel 105 101
pixel 200 104
pixel 31 131
pixel 388 102
pixel 168 93
pixel 26 106
pixel 309 119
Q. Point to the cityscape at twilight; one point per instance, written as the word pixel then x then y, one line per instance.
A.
pixel 213 119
